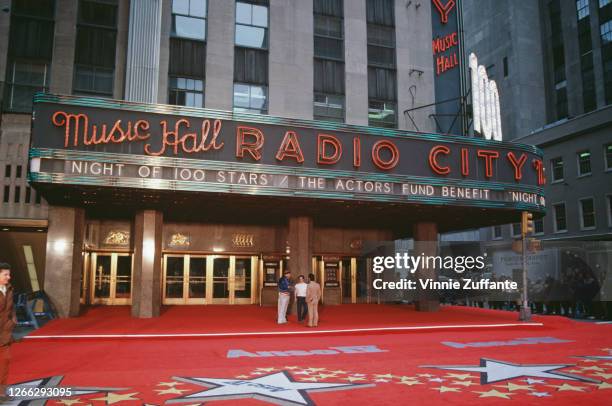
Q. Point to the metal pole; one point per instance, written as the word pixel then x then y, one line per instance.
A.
pixel 525 314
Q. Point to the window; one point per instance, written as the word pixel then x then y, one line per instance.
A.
pixel 584 163
pixel 251 25
pixel 382 81
pixel 7 171
pixel 587 214
pixel 603 3
pixel 538 226
pixel 609 204
pixel 28 194
pixel 582 7
pixel 559 217
pixel 516 229
pixel 250 98
pixel 505 66
pixel 30 47
pixel 382 113
pixel 7 192
pixel 328 70
pixel 186 92
pixel 608 156
pixel 497 232
pixel 561 99
pixel 18 172
pixel 605 31
pixel 329 107
pixel 557 169
pixel 95 47
pixel 189 19
pixel 17 194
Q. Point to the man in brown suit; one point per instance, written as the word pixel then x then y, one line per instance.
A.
pixel 313 295
pixel 7 323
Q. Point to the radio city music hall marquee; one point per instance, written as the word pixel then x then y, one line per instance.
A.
pixel 86 141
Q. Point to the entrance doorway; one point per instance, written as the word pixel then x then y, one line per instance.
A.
pixel 111 278
pixel 209 279
pixel 354 278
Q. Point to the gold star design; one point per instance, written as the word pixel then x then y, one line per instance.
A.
pixel 69 402
pixel 310 378
pixel 353 378
pixel 589 360
pixel 339 372
pixel 381 380
pixel 603 385
pixel 459 376
pixel 463 383
pixel 574 371
pixel 604 376
pixel 169 384
pixel 512 387
pixel 242 376
pixel 593 368
pixel 315 369
pixel 169 391
pixel 494 394
pixel 567 387
pixel 443 389
pixel 266 369
pixel 425 375
pixel 607 349
pixel 406 378
pixel 410 383
pixel 388 376
pixel 292 368
pixel 325 376
pixel 608 364
pixel 112 398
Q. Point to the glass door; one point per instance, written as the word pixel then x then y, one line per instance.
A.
pixel 184 279
pixel 111 278
pixel 242 286
pixel 220 280
pixel 348 280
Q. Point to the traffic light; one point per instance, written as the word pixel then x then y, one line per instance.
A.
pixel 526 223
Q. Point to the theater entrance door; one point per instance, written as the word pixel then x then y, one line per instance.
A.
pixel 209 279
pixel 354 278
pixel 111 278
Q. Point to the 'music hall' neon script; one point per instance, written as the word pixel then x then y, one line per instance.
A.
pixel 180 139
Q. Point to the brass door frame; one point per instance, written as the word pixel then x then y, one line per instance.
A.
pixel 112 300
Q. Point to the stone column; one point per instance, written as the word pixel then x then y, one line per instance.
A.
pixel 64 43
pixel 291 59
pixel 146 275
pixel 219 85
pixel 142 72
pixel 300 238
pixel 425 236
pixel 356 62
pixel 64 261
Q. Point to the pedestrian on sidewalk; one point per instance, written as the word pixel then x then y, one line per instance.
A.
pixel 313 295
pixel 7 323
pixel 284 295
pixel 300 297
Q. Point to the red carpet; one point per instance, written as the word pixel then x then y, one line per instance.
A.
pixel 402 369
pixel 241 319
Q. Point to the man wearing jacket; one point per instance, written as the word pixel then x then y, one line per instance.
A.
pixel 284 295
pixel 313 295
pixel 7 323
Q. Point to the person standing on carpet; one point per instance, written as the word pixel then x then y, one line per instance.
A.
pixel 284 295
pixel 300 297
pixel 7 323
pixel 313 295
